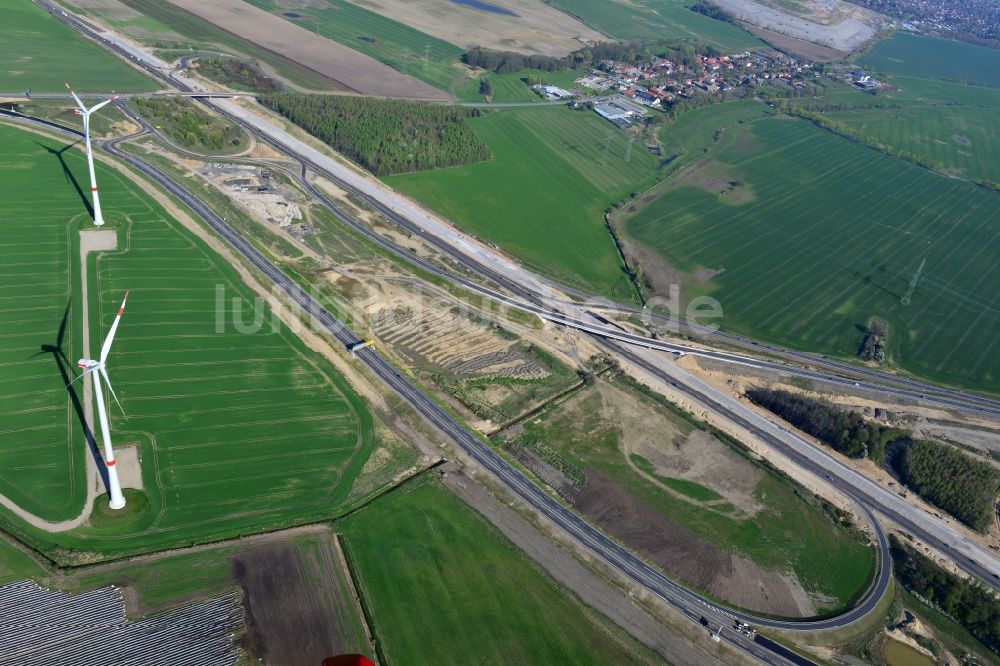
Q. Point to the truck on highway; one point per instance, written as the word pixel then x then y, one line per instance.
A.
pixel 360 344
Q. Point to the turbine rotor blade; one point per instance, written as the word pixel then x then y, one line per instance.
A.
pixel 78 102
pixel 97 106
pixel 107 380
pixel 111 333
pixel 80 376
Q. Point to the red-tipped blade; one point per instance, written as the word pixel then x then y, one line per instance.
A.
pixel 111 333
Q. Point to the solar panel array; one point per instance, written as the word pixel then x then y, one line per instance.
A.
pixel 45 627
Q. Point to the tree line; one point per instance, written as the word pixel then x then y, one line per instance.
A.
pixel 385 136
pixel 952 481
pixel 968 602
pixel 634 52
pixel 947 478
pixel 841 430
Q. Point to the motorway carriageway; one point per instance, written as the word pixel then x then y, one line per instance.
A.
pixel 685 601
pixel 560 318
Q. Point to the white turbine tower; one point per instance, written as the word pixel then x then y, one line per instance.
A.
pixel 97 370
pixel 81 110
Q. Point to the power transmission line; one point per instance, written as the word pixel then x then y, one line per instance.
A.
pixel 607 144
pixel 913 283
pixel 628 149
pixel 427 56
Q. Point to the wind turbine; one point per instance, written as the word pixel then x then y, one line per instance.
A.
pixel 97 370
pixel 82 110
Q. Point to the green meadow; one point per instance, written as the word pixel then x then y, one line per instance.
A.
pixel 946 124
pixel 419 552
pixel 658 20
pixel 398 45
pixel 787 531
pixel 694 132
pixel 543 195
pixel 803 236
pixel 963 140
pixel 908 54
pixel 240 427
pixel 41 52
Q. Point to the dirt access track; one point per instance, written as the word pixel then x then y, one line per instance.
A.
pixel 524 26
pixel 346 68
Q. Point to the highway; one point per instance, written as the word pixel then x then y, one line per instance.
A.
pixel 685 601
pixel 531 299
pixel 508 275
pixel 969 556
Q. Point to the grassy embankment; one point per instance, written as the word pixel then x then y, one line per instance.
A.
pixel 190 126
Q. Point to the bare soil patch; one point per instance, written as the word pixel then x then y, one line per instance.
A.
pixel 299 607
pixel 801 47
pixel 841 32
pixel 342 66
pixel 535 28
pixel 693 560
pixel 129 466
pixel 701 458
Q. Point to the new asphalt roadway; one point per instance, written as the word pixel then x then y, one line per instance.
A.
pixel 699 609
pixel 681 598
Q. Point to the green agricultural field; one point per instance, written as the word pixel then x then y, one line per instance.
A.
pixel 962 140
pixel 934 58
pixel 803 236
pixel 41 52
pixel 658 20
pixel 420 550
pixel 694 132
pixel 548 183
pixel 16 563
pixel 41 443
pixel 388 41
pixel 949 125
pixel 662 459
pixel 238 431
pixel 932 91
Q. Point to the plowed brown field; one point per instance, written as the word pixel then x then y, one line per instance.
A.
pixel 693 560
pixel 346 68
